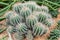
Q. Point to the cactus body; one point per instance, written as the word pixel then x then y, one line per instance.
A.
pixel 48 22
pixel 31 20
pixel 54 35
pixel 42 16
pixel 15 19
pixel 11 29
pixel 25 12
pixel 22 28
pixel 44 9
pixel 31 5
pixel 8 14
pixel 29 35
pixel 39 29
pixel 17 7
pixel 18 36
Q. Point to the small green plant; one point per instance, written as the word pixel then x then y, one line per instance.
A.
pixel 54 35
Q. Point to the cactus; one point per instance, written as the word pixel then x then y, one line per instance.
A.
pixel 25 12
pixel 31 5
pixel 44 9
pixel 38 8
pixel 54 13
pixel 42 16
pixel 29 35
pixel 39 29
pixel 9 13
pixel 48 22
pixel 17 7
pixel 18 36
pixel 22 28
pixel 54 35
pixel 11 29
pixel 31 20
pixel 15 19
pixel 28 19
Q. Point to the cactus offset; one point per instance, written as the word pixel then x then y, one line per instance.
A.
pixel 17 7
pixel 22 28
pixel 48 22
pixel 39 29
pixel 31 20
pixel 15 19
pixel 25 12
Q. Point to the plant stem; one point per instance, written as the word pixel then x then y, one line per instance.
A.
pixel 49 6
pixel 2 11
pixel 2 30
pixel 45 4
pixel 53 3
pixel 3 3
pixel 2 18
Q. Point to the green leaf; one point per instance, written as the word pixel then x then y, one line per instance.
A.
pixel 3 3
pixel 1 18
pixel 2 11
pixel 2 30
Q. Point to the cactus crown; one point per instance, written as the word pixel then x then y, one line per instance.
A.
pixel 34 16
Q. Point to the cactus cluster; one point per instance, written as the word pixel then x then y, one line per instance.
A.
pixel 29 17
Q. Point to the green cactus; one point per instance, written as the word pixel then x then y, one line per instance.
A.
pixel 18 36
pixel 17 7
pixel 25 12
pixel 48 22
pixel 54 13
pixel 15 19
pixel 29 35
pixel 39 29
pixel 8 14
pixel 44 9
pixel 38 8
pixel 28 20
pixel 31 5
pixel 22 28
pixel 54 35
pixel 11 29
pixel 42 16
pixel 31 20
